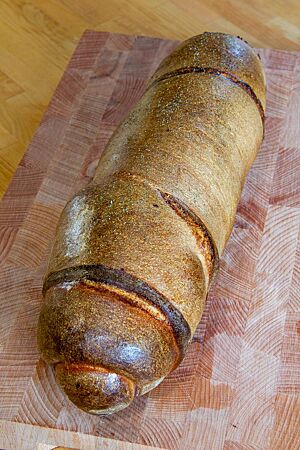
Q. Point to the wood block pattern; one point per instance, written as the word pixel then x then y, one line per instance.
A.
pixel 239 385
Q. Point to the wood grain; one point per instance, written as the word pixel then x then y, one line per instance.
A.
pixel 38 37
pixel 28 437
pixel 239 385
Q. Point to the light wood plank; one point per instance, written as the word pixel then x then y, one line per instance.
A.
pixel 27 437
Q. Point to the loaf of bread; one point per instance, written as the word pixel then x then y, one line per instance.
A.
pixel 135 251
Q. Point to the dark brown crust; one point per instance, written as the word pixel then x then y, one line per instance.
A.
pixel 214 71
pixel 204 240
pixel 127 282
pixel 95 390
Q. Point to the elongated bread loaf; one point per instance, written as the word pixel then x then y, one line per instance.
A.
pixel 136 250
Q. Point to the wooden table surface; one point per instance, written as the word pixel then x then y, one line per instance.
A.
pixel 239 385
pixel 37 38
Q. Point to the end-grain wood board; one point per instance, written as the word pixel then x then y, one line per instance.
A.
pixel 239 385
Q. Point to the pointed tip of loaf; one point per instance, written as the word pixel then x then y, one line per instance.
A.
pixel 95 390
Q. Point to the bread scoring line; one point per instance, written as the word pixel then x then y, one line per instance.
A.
pixel 128 283
pixel 217 72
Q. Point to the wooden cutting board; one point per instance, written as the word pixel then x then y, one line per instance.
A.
pixel 239 385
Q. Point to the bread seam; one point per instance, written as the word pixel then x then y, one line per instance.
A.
pixel 88 367
pixel 128 283
pixel 129 297
pixel 217 72
pixel 139 302
pixel 199 230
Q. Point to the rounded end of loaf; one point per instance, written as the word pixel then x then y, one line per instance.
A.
pixel 95 390
pixel 224 53
pixel 105 350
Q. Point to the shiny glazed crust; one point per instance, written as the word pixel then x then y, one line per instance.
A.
pixel 136 250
